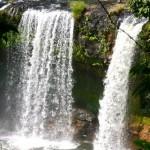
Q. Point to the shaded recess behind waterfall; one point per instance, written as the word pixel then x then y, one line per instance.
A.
pixel 88 87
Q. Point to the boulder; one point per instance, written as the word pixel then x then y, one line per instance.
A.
pixel 84 125
pixel 83 114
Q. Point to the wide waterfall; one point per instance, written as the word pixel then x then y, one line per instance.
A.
pixel 46 81
pixel 113 106
pixel 43 95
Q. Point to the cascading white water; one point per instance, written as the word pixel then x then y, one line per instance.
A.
pixel 46 82
pixel 5 6
pixel 113 106
pixel 42 95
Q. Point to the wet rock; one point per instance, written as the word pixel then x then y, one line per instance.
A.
pixel 84 125
pixel 83 114
pixel 19 7
pixel 84 130
pixel 95 33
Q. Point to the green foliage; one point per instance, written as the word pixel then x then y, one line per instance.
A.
pixel 104 47
pixel 2 43
pixel 141 8
pixel 100 42
pixel 142 144
pixel 145 38
pixel 81 55
pixel 11 1
pixel 91 38
pixel 141 71
pixel 93 44
pixel 77 7
pixel 7 24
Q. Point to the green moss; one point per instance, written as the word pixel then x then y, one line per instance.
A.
pixel 146 121
pixel 77 7
pixel 136 122
pixel 134 106
pixel 11 1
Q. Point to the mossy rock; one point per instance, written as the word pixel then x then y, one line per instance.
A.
pixel 146 121
pixel 136 121
pixel 117 9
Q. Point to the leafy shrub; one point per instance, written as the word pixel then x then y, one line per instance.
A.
pixel 140 7
pixel 8 26
pixel 80 55
pixel 141 70
pixel 142 144
pixel 77 8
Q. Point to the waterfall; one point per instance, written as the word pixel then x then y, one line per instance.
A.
pixel 39 96
pixel 111 134
pixel 45 80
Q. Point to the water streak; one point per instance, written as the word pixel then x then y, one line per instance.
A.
pixel 113 106
pixel 5 6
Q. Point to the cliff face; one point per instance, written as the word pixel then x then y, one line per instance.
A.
pixel 95 33
pixel 94 37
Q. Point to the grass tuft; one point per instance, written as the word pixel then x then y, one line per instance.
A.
pixel 116 9
pixel 77 7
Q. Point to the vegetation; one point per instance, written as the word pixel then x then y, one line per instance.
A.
pixel 141 94
pixel 77 7
pixel 11 1
pixel 117 9
pixel 141 8
pixel 80 54
pixel 93 44
pixel 7 24
pixel 141 71
pixel 142 144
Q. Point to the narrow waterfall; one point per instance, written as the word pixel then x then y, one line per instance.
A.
pixel 113 106
pixel 45 81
